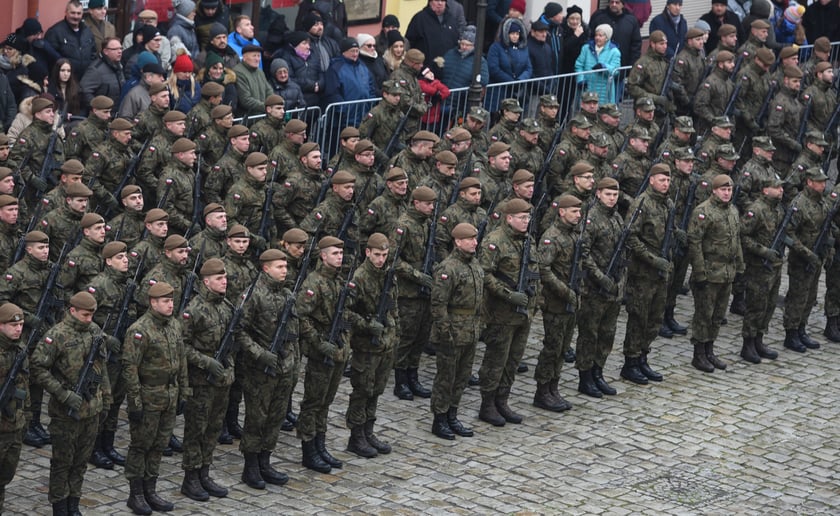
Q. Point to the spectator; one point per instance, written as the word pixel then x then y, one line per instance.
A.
pixel 181 31
pixel 542 57
pixel 8 106
pixel 16 69
pixel 602 55
pixel 304 67
pixel 72 39
pixel 497 10
pixel 575 36
pixel 284 87
pixel 96 20
pixel 348 79
pixel 207 14
pixel 433 31
pixel 105 76
pixel 332 9
pixel 23 119
pixel 137 98
pixel 42 51
pixel 389 23
pixel 323 47
pixel 822 18
pixel 146 39
pixel 218 45
pixel 330 29
pixel 184 89
pixel 251 84
pixel 789 31
pixel 641 9
pixel 717 16
pixel 373 61
pixel 64 87
pixel 277 32
pixel 215 70
pixel 672 23
pixel 457 10
pixel 458 62
pixel 243 35
pixel 625 26
pixel 149 17
pixel 435 94
pixel 508 61
pixel 395 53
pixel 553 17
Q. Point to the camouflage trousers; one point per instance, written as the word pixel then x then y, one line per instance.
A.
pixel 710 303
pixel 319 387
pixel 832 289
pixel 596 320
pixel 645 304
pixel 801 295
pixel 71 448
pixel 10 445
pixel 454 365
pixel 677 279
pixel 149 437
pixel 762 291
pixel 266 400
pixel 204 413
pixel 110 415
pixel 505 345
pixel 369 373
pixel 559 329
pixel 415 329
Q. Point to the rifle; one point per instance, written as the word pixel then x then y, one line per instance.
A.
pixel 666 82
pixel 191 277
pixel 429 253
pixel 464 174
pixel 89 379
pixel 325 187
pixel 121 325
pixel 831 127
pixel 198 209
pixel 730 104
pixel 525 275
pixel 778 243
pixel 392 141
pixel 668 238
pixel 281 332
pixel 166 191
pixel 228 345
pixel 482 226
pixel 539 180
pixel 18 177
pixel 762 112
pixel 49 163
pixel 575 272
pixel 349 215
pixel 803 123
pixel 266 211
pixel 36 218
pixel 338 324
pixel 118 233
pixel 616 263
pixel 738 64
pixel 131 169
pixel 385 302
pixel 9 392
pixel 820 247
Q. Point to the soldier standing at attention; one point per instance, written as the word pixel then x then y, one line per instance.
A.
pixel 785 113
pixel 72 171
pixel 9 233
pixel 91 131
pixel 505 130
pixel 381 122
pixel 204 323
pixel 200 116
pixel 509 311
pixel 130 223
pixel 155 374
pixel 326 359
pixel 62 224
pixel 56 364
pixel 383 212
pixel 213 142
pixel 714 250
pixel 84 261
pixel 647 275
pixel 34 141
pixel 327 217
pixel 230 167
pixel 172 269
pixel 296 197
pixel 156 227
pixel 245 202
pixel 267 132
pixel 177 182
pixel 285 153
pixel 457 296
pixel 467 208
pixel 713 95
pixel 372 341
pixel 11 428
pixel 212 239
pixel 268 378
pixel 649 74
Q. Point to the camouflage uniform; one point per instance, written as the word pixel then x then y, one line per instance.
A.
pixel 417 169
pixel 165 270
pixel 783 127
pixel 266 133
pixel 646 79
pixel 33 142
pixel 10 236
pixel 632 167
pixel 83 263
pixel 686 77
pixel 461 211
pixel 753 173
pixel 130 224
pixel 245 204
pixel 11 428
pixel 795 180
pixel 569 151
pixel 525 155
pixel 495 185
pixel 368 184
pixel 151 247
pixel 504 131
pixel 442 185
pixel 107 163
pixel 62 225
pixel 678 192
pixel 212 241
pixel 615 135
pixel 199 117
pixel 707 152
pixel 326 219
pixel 382 214
pixel 222 176
pixel 85 137
pixel 149 123
pixel 711 98
pixel 412 96
pixel 212 144
pixel 548 128
pixel 179 201
pixel 755 83
pixel 823 104
pixel 296 197
pixel 241 272
pixel 157 156
pixel 381 122
pixel 285 154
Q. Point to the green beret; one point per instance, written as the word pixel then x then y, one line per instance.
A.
pixel 721 180
pixel 212 89
pixel 469 182
pixel 120 124
pixel 213 207
pixel 238 231
pixel 568 201
pixel 396 174
pixel 7 200
pixel 459 134
pixel 425 136
pixel 220 111
pixel 77 190
pixel 72 166
pixel 91 219
pixel 660 168
pixel 182 145
pixel 37 237
pixel 275 100
pixel 174 116
pixel 497 148
pixel 516 206
pixel 102 102
pixel 580 168
pixel 40 104
pixel 154 89
pixel 521 176
pixel 362 146
pixel 447 157
pixel 295 125
pixel 308 147
pixel 237 131
pixel 607 183
pixel 342 177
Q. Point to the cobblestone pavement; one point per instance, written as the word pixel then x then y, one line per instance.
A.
pixel 755 439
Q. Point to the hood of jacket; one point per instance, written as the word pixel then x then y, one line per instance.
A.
pixel 505 38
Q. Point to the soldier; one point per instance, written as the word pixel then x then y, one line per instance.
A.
pixel 370 182
pixel 788 57
pixel 525 150
pixel 382 214
pixel 372 342
pixel 753 101
pixel 347 140
pixel 245 202
pixel 406 75
pixel 688 71
pixel 327 217
pixel 157 155
pixel 9 234
pixel 62 224
pixel 12 427
pixel 547 118
pixel 494 177
pixel 230 167
pixel 631 167
pixel 756 40
pixel 724 163
pixel 460 144
pixel 556 253
pixel 601 294
pixel 679 138
pixel 294 244
pixel 475 122
pixel 645 110
pixel 823 98
pixel 583 179
pixel 199 117
pixel 647 275
pixel 832 283
pixel 755 171
pixel 155 374
pixel 417 159
pixel 268 131
pixel 821 53
pixel 33 144
pixel 214 142
pixel 56 364
pixel 505 130
pixel 649 74
pixel 784 119
pixel 108 162
pixel 326 359
pixel 811 156
pixel 8 186
pixel 609 118
pixel 285 152
pixel 382 121
pixel 156 227
pixel 589 106
pixel 5 150
pixel 171 268
pixel 91 131
pixel 804 265
pixel 763 273
pixel 466 209
pixel 414 292
pixel 71 172
pixel 150 121
pixel 509 311
pixel 299 193
pixel 442 179
pixel 176 185
pixel 569 151
pixel 457 295
pixel 728 41
pixel 714 250
pixel 204 323
pixel 720 134
pixel 714 94
pixel 211 239
pixel 522 187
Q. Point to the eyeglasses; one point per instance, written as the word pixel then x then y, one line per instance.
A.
pixel 522 217
pixel 588 177
pixel 369 45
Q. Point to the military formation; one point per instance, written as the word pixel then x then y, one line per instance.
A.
pixel 183 265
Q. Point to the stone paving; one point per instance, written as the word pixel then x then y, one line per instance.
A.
pixel 755 439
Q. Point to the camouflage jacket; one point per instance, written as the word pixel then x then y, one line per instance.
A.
pixel 370 282
pixel 222 175
pixel 296 197
pixel 107 163
pixel 266 133
pixel 9 350
pixel 381 122
pixel 179 201
pixel 604 226
pixel 198 119
pixel 33 142
pixel 83 138
pixel 204 324
pixel 644 242
pixel 758 227
pixel 382 213
pixel 130 226
pixel 24 283
pixel 500 259
pixel 259 323
pixel 556 250
pixel 165 270
pixel 783 124
pixel 457 297
pixel 83 263
pixel 62 225
pixel 461 211
pixel 714 242
pixel 415 233
pixel 241 272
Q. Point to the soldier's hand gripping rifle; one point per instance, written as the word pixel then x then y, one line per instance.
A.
pixel 778 243
pixel 189 286
pixel 765 106
pixel 575 273
pixel 198 209
pixel 392 141
pixel 539 180
pixel 821 244
pixel 227 348
pixel 46 173
pixel 668 237
pixel 385 302
pixel 617 262
pixel 339 325
pixel 730 104
pixel 525 275
pixel 429 252
pixel 665 91
pixel 89 380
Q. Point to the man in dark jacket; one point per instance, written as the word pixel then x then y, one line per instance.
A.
pixel 105 76
pixel 671 22
pixel 348 79
pixel 72 39
pixel 717 16
pixel 433 31
pixel 626 32
pixel 8 106
pixel 822 18
pixel 543 58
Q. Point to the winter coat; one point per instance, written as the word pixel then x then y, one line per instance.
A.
pixel 77 46
pixel 237 43
pixel 432 36
pixel 185 101
pixel 609 59
pixel 572 45
pixel 378 72
pixel 434 93
pixel 347 80
pixel 822 20
pixel 675 33
pixel 305 73
pixel 509 62
pixel 8 106
pixel 229 97
pixel 457 69
pixel 181 33
pixel 626 33
pixel 290 92
pixel 102 78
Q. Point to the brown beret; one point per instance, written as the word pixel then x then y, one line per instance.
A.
pixel 607 183
pixel 256 159
pixel 447 157
pixel 694 33
pixel 272 255
pixel 469 182
pixel 120 124
pixel 726 29
pixel 657 36
pixel 823 44
pixel 213 207
pixel 275 100
pixel 516 206
pixel 788 52
pixel 765 55
pixel 112 249
pixel 425 136
pixel 423 193
pixel 760 24
pixel 155 215
pixel 4 140
pixel 220 111
pixel 349 132
pixel 37 237
pixel 464 230
pixel 162 288
pixel 568 201
pixel 237 131
pixel 147 14
pixel 175 242
pixel 77 190
pixel 362 146
pixel 721 180
pixel 40 104
pixel 342 177
pixel 415 56
pixel 521 176
pixel 396 174
pixel 5 172
pixel 10 312
pixel 174 116
pixel 7 200
pixel 238 231
pixel 91 219
pixel 295 236
pixel 212 267
pixel 212 89
pixel 660 168
pixel 330 241
pixel 72 166
pixel 182 145
pixel 497 148
pixel 295 125
pixel 724 55
pixel 377 241
pixel 83 301
pixel 580 168
pixel 793 72
pixel 102 102
pixel 459 134
pixel 157 88
pixel 822 66
pixel 308 147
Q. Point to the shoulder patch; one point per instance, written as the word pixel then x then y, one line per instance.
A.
pixel 48 340
pixel 151 148
pixel 9 277
pixel 45 223
pixel 371 212
pixel 562 152
pixel 495 215
pixel 707 85
pixel 71 263
pixel 236 197
pixel 287 184
pixel 318 215
pixel 746 173
pixel 216 168
pixel 185 315
pixel 91 290
pixel 546 241
pixel 370 115
pixel 779 107
pixel 639 66
pixel 492 247
pixel 95 154
pixel 444 218
pixel 152 282
pixel 701 216
pixel 134 254
pixel 680 62
pixel 310 292
pixel 444 277
pixel 138 336
pixel 750 214
pixel 704 183
pixel 22 141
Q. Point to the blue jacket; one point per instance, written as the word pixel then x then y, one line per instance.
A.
pixel 305 73
pixel 610 59
pixel 556 42
pixel 457 69
pixel 185 101
pixel 675 34
pixel 347 80
pixel 237 42
pixel 508 62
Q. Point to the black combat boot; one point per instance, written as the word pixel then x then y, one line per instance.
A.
pixel 31 437
pixel 474 380
pixel 440 427
pixel 569 355
pixel 59 508
pixel 136 502
pixel 108 447
pixel 401 389
pixel 712 358
pixel 665 331
pixel 544 400
pixel 631 372
pixel 232 420
pixel 562 402
pixel 291 417
pixel 644 367
pixel 522 368
pixel 224 435
pixel 600 383
pixel 321 446
pixel 153 499
pixel 672 323
pixel 587 386
pixel 175 444
pixel 414 384
pixel 455 425
pixel 191 487
pixel 748 351
pixel 312 459
pixel 210 485
pixel 502 396
pixel 739 303
pixel 488 412
pixel 251 473
pixel 792 341
pixel 358 443
pixel 73 506
pixel 267 471
pixel 37 427
pixel 762 349
pixel 832 331
pixel 700 361
pixel 381 447
pixel 806 339
pixel 98 457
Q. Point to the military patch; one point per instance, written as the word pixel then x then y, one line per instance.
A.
pixel 185 315
pixel 704 183
pixel 666 154
pixel 704 154
pixel 71 263
pixel 216 168
pixel 138 336
pixel 546 241
pixel 351 284
pixel 494 138
pixel 310 293
pixel 91 290
pixel 402 82
pixel 287 184
pixel 134 254
pixel 554 204
pixel 701 216
pixel 45 223
pixel 492 247
pixel 833 195
pixel 48 340
pixel 22 141
pixel 680 62
pixel 476 170
pixel 95 154
pixel 370 115
pixel 750 214
pixel 152 282
pixel 9 277
pixel 588 221
pixel 318 215
pixel 444 277
pixel 779 107
pixel 400 231
pixel 202 136
pixel 253 135
pixel 640 67
pixel 74 133
pixel 107 227
pixel 443 218
pixel 371 212
pixel 495 215
pixel 151 148
pixel 562 152
pixel 236 197
pixel 746 174
pixel 707 85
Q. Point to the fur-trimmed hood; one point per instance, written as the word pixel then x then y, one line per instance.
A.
pixel 228 78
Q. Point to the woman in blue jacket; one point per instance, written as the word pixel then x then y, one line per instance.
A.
pixel 508 61
pixel 602 55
